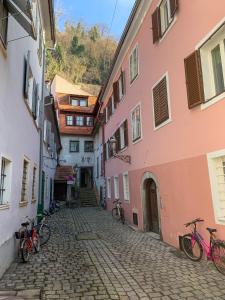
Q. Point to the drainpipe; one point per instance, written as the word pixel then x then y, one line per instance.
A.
pixel 42 109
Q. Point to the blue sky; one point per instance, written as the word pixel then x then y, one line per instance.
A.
pixel 96 11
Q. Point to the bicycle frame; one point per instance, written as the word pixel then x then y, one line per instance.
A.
pixel 207 248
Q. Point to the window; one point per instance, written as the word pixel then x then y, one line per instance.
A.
pixel 24 192
pixel 40 46
pixel 3 22
pixel 126 192
pixel 163 17
pixel 74 146
pixel 89 121
pixel 5 184
pixel 121 136
pixel 205 71
pixel 216 164
pixel 116 187
pixel 136 123
pixel 97 167
pixel 88 146
pixel 79 121
pixel 78 102
pixel 160 102
pixel 134 64
pixel 109 187
pixel 34 184
pixel 69 120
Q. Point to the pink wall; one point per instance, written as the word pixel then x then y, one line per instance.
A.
pixel 176 152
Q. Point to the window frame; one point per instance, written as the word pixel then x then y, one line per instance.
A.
pixel 34 181
pixel 136 140
pixel 25 194
pixel 109 188
pixel 72 119
pixel 8 181
pixel 136 47
pixel 125 174
pixel 116 187
pixel 79 101
pixel 170 20
pixel 85 150
pixel 168 100
pixel 77 142
pixel 3 39
pixel 79 123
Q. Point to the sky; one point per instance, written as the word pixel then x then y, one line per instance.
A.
pixel 96 12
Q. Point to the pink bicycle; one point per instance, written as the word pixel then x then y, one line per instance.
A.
pixel 193 246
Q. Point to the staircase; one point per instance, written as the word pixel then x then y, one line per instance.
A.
pixel 87 197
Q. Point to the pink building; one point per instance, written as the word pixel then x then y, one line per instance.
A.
pixel 163 103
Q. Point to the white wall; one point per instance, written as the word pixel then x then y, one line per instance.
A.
pixel 81 158
pixel 19 136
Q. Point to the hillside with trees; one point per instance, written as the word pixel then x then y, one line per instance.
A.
pixel 83 55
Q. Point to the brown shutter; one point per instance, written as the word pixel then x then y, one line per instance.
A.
pixel 174 5
pixel 160 100
pixel 109 108
pixel 117 137
pixel 126 133
pixel 116 93
pixel 194 82
pixel 104 116
pixel 156 25
pixel 123 82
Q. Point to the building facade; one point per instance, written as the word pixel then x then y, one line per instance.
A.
pixel 164 105
pixel 25 29
pixel 76 115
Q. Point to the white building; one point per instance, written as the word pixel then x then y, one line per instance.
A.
pixel 25 28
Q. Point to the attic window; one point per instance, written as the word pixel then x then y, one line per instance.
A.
pixel 78 102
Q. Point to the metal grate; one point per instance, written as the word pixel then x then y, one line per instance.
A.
pixel 24 181
pixel 2 181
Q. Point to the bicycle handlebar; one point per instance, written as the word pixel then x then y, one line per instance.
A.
pixel 194 222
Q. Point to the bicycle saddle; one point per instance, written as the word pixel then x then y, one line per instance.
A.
pixel 25 224
pixel 211 230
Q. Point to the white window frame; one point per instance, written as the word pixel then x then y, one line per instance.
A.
pixel 126 193
pixel 161 7
pixel 69 116
pixel 134 141
pixel 113 104
pixel 132 79
pixel 116 187
pixel 168 99
pixel 109 188
pixel 120 82
pixel 8 183
pixel 213 183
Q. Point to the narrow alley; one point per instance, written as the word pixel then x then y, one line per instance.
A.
pixel 92 256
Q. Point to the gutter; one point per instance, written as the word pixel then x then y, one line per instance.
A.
pixel 122 39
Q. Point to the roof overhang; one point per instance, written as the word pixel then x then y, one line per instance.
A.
pixel 48 19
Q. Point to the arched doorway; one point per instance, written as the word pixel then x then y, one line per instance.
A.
pixel 150 204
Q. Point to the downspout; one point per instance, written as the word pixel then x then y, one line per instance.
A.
pixel 42 109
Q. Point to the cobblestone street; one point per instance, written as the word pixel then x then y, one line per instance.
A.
pixel 119 264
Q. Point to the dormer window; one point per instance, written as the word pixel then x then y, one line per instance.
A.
pixel 78 102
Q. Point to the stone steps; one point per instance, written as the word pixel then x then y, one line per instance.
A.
pixel 87 198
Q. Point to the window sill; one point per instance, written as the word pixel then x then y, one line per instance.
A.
pixel 163 124
pixel 33 201
pixel 4 206
pixel 213 101
pixel 23 204
pixel 137 141
pixel 133 80
pixel 124 149
pixel 126 201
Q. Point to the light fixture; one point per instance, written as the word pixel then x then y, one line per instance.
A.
pixel 112 145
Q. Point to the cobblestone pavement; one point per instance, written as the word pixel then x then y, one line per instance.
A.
pixel 120 264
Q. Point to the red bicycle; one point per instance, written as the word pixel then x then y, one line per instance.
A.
pixel 29 240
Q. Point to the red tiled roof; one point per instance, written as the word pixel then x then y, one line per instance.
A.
pixel 64 173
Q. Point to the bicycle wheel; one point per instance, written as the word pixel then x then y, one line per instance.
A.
pixel 115 213
pixel 122 218
pixel 192 249
pixel 25 250
pixel 44 233
pixel 36 243
pixel 218 256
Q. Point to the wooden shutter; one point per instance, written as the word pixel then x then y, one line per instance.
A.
pixel 123 82
pixel 174 5
pixel 34 99
pixel 26 74
pixel 156 25
pixel 116 93
pixel 109 108
pixel 194 81
pixel 117 137
pixel 126 133
pixel 160 100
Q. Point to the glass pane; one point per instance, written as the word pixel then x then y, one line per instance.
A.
pixel 164 16
pixel 74 102
pixel 83 102
pixel 217 70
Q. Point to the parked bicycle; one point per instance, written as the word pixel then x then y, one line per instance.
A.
pixel 29 240
pixel 118 211
pixel 43 229
pixel 193 245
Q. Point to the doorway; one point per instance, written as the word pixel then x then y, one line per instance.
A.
pixel 86 177
pixel 150 204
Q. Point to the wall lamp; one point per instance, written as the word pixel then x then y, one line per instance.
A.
pixel 112 145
